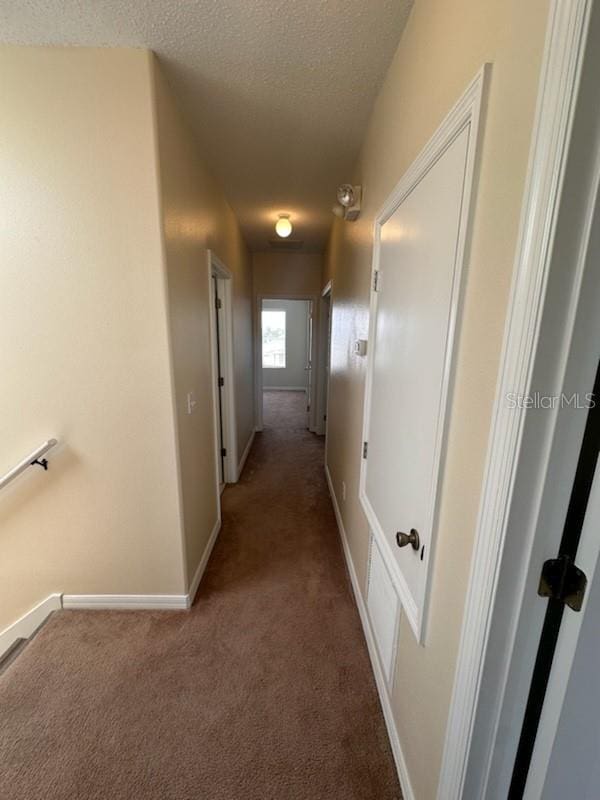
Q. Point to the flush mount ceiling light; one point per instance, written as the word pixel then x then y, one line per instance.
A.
pixel 348 198
pixel 283 226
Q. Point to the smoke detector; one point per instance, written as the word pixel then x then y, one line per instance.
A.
pixel 348 202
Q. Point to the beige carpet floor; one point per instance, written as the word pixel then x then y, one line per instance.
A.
pixel 284 409
pixel 263 691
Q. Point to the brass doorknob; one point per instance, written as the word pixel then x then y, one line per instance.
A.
pixel 412 538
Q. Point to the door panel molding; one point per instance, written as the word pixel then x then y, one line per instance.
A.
pixel 466 114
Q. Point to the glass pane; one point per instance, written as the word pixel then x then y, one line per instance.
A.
pixel 273 339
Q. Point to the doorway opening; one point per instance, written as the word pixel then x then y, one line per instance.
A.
pixel 221 329
pixel 285 374
pixel 324 361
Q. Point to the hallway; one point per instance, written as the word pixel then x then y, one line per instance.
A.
pixel 262 691
pixel 284 409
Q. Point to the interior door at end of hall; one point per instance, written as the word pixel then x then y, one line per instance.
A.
pixel 417 273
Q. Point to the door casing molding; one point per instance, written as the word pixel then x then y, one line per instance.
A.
pixel 258 380
pixel 217 268
pixel 324 337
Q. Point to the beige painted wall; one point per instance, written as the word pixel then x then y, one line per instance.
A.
pixel 104 306
pixel 196 216
pixel 444 45
pixel 287 273
pixel 84 332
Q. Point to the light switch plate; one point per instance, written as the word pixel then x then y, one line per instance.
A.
pixel 360 347
pixel 191 402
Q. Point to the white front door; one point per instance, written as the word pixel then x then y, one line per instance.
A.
pixel 419 253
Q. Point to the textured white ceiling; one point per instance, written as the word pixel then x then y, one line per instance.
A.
pixel 278 92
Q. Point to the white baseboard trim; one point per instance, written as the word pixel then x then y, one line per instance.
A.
pixel 131 602
pixel 284 389
pixel 384 699
pixel 27 625
pixel 24 627
pixel 148 602
pixel 245 454
pixel 203 562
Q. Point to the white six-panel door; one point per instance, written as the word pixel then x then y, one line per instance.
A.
pixel 419 250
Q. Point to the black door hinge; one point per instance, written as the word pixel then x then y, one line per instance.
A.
pixel 218 303
pixel 376 280
pixel 365 448
pixel 562 580
pixel 223 452
pixel 221 381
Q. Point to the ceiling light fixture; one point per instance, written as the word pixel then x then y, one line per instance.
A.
pixel 348 198
pixel 283 226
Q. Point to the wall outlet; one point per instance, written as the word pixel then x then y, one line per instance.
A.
pixel 344 491
pixel 191 402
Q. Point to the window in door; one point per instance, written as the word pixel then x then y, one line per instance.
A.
pixel 273 339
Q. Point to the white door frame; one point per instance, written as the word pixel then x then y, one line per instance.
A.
pixel 322 377
pixel 218 269
pixel 494 596
pixel 258 381
pixel 466 113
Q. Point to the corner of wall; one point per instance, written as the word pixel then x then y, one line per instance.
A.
pixel 154 76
